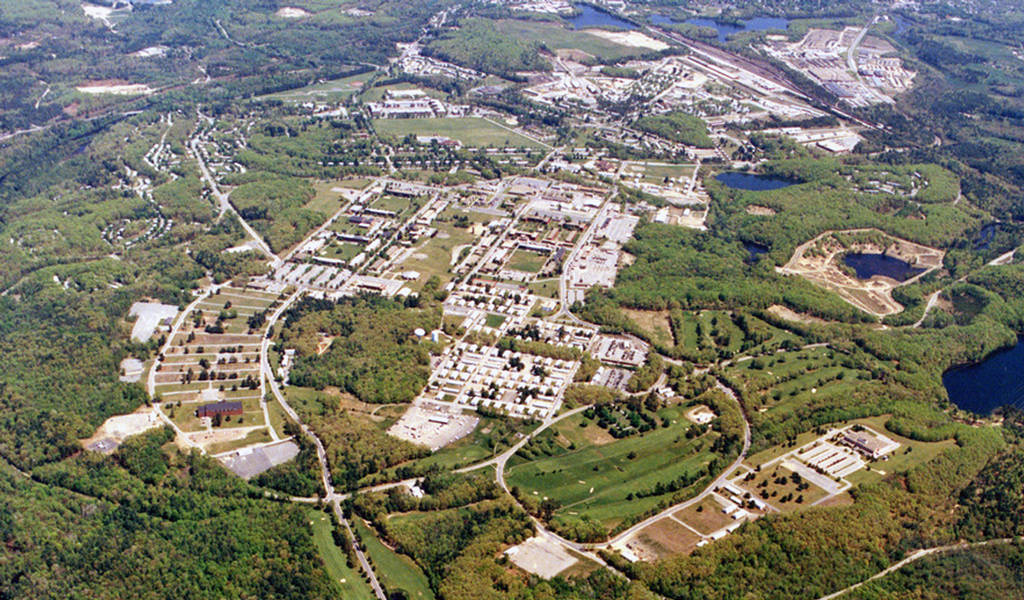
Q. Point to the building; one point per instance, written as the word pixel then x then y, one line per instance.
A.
pixel 869 443
pixel 223 408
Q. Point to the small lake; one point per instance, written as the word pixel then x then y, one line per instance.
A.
pixel 985 386
pixel 755 250
pixel 752 182
pixel 594 17
pixel 727 29
pixel 985 236
pixel 869 265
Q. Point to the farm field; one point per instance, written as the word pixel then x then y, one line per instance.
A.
pixel 474 132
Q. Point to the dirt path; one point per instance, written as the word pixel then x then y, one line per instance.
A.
pixel 915 556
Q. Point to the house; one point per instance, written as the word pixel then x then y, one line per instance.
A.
pixel 219 408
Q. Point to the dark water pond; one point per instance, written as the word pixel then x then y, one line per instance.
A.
pixel 751 182
pixel 983 387
pixel 985 236
pixel 869 265
pixel 594 17
pixel 755 250
pixel 727 29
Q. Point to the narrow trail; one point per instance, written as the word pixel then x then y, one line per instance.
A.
pixel 915 556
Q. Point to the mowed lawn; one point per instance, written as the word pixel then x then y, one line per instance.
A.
pixel 349 582
pixel 395 571
pixel 597 475
pixel 473 132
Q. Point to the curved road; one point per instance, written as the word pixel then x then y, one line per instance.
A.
pixel 332 496
pixel 918 555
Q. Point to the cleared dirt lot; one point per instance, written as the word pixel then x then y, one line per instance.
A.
pixel 818 261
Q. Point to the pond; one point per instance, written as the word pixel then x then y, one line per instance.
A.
pixel 985 236
pixel 755 250
pixel 595 17
pixel 983 387
pixel 751 182
pixel 869 265
pixel 727 29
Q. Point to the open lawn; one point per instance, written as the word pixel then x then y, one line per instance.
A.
pixel 376 94
pixel 473 132
pixel 528 262
pixel 259 436
pixel 347 581
pixel 590 473
pixel 395 571
pixel 399 206
pixel 655 323
pixel 706 516
pixel 666 537
pixel 434 256
pixel 557 37
pixel 325 201
pixel 783 488
pixel 335 90
pixel 548 288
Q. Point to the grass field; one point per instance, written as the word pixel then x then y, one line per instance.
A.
pixel 591 473
pixel 348 582
pixel 667 538
pixel 434 256
pixel 547 288
pixel 655 323
pixel 473 132
pixel 528 262
pixel 376 94
pixel 325 201
pixel 656 173
pixel 395 571
pixel 557 37
pixel 706 516
pixel 335 90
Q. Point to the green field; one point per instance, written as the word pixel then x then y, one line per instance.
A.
pixel 784 383
pixel 589 473
pixel 335 90
pixel 557 37
pixel 474 132
pixel 395 571
pixel 349 582
pixel 434 256
pixel 547 288
pixel 528 262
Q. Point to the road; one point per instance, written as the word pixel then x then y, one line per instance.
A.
pixel 720 481
pixel 915 556
pixel 325 473
pixel 151 378
pixel 224 204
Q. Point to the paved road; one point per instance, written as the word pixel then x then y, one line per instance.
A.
pixel 720 481
pixel 325 473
